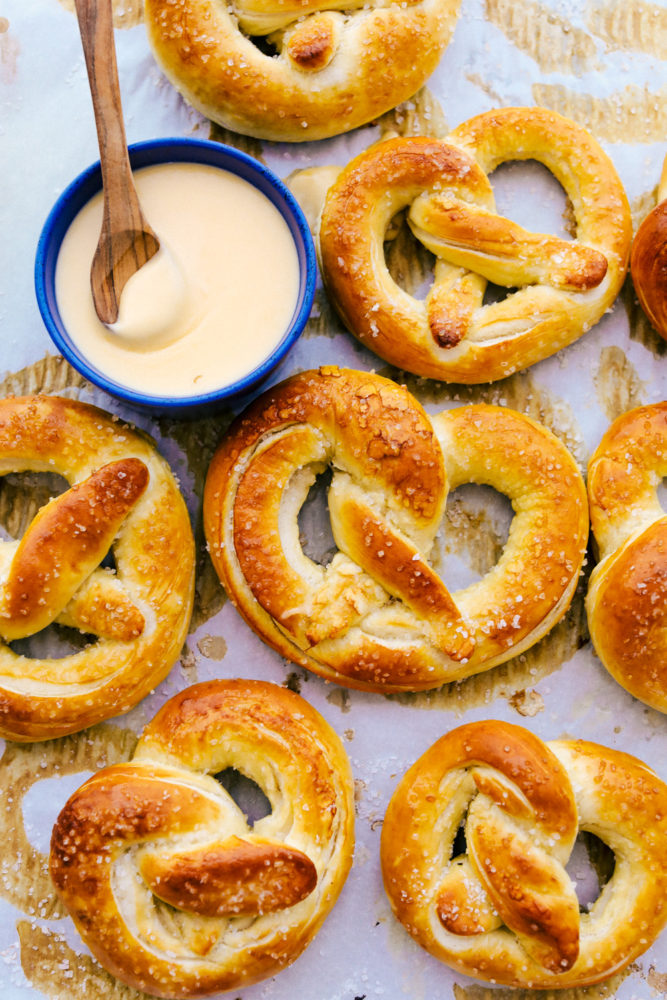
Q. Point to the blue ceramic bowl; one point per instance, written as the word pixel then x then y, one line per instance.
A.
pixel 144 154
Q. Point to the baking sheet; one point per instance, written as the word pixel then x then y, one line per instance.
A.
pixel 603 63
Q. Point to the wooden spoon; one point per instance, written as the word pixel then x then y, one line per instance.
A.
pixel 648 263
pixel 126 241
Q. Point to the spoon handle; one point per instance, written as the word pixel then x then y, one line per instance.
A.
pixel 123 218
pixel 96 27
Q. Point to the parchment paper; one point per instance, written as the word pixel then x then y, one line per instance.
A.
pixel 603 64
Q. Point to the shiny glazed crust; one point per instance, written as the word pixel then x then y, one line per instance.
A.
pixel 564 286
pixel 648 262
pixel 123 495
pixel 378 617
pixel 337 65
pixel 243 901
pixel 505 910
pixel 627 593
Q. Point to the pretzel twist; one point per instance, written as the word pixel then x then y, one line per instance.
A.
pixel 627 593
pixel 564 286
pixel 243 902
pixel 505 909
pixel 123 498
pixel 378 616
pixel 329 66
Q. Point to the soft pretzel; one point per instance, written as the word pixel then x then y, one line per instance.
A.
pixel 564 286
pixel 319 68
pixel 170 887
pixel 122 497
pixel 379 617
pixel 648 262
pixel 627 593
pixel 504 909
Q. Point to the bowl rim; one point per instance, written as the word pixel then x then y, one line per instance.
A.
pixel 148 153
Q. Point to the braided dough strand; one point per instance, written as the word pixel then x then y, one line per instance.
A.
pixel 244 901
pixel 122 496
pixel 505 909
pixel 378 616
pixel 627 594
pixel 564 286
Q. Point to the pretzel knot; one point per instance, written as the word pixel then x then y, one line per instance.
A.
pixel 319 68
pixel 504 909
pixel 242 901
pixel 378 616
pixel 124 499
pixel 627 594
pixel 563 286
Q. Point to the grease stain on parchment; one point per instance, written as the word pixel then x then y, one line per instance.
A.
pixel 600 857
pixel 323 320
pixel 617 384
pixel 601 991
pixel 22 495
pixel 641 329
pixel 640 207
pixel 51 375
pixel 409 263
pixel 59 972
pixel 553 42
pixel 493 95
pixel 198 440
pixel 526 703
pixel 469 532
pixel 341 698
pixel 126 13
pixel 633 26
pixel 246 143
pixel 633 115
pixel 657 981
pixel 24 871
pixel 10 50
pixel 188 664
pixel 213 647
pixel 296 679
pixel 421 115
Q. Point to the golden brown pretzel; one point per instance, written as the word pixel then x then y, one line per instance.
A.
pixel 379 617
pixel 627 593
pixel 565 286
pixel 648 262
pixel 243 902
pixel 505 909
pixel 122 497
pixel 335 65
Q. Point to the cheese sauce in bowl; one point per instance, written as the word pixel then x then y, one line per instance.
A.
pixel 219 305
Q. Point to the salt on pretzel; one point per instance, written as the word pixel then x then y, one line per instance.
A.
pixel 564 286
pixel 335 65
pixel 122 497
pixel 505 910
pixel 627 593
pixel 379 617
pixel 242 901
